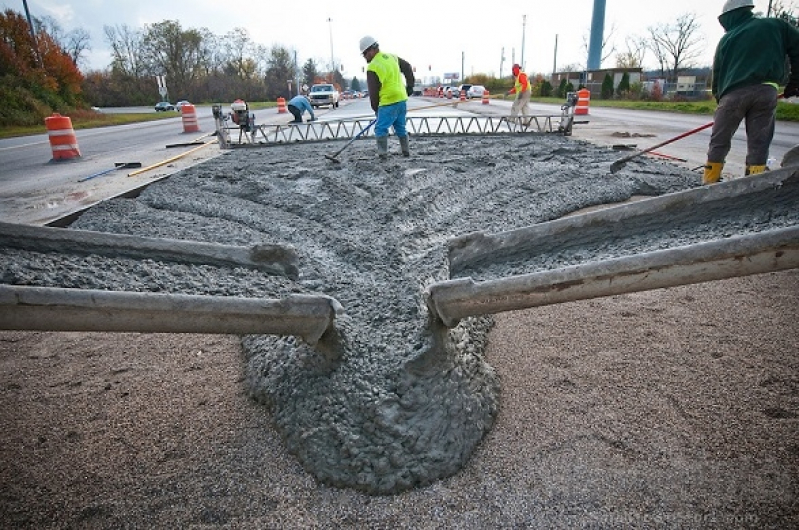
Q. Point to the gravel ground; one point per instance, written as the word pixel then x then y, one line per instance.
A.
pixel 670 408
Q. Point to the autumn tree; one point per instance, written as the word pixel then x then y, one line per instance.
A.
pixel 36 76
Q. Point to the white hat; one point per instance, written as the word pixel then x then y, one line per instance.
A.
pixel 730 5
pixel 367 42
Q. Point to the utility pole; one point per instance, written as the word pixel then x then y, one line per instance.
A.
pixel 332 60
pixel 297 72
pixel 463 58
pixel 33 33
pixel 524 28
pixel 555 59
pixel 501 61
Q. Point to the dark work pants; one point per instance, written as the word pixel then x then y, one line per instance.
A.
pixel 757 105
pixel 296 112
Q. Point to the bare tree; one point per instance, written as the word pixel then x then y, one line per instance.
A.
pixel 608 48
pixel 676 46
pixel 125 45
pixel 634 56
pixel 74 43
pixel 781 9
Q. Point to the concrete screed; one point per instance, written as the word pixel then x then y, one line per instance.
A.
pixel 395 402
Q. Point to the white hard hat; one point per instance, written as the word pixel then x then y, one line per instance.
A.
pixel 367 42
pixel 730 5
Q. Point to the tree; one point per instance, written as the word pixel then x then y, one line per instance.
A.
pixel 607 45
pixel 634 56
pixel 73 43
pixel 36 76
pixel 309 72
pixel 607 87
pixel 676 46
pixel 624 85
pixel 126 50
pixel 280 68
pixel 169 50
pixel 355 84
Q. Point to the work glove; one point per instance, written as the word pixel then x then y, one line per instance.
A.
pixel 409 90
pixel 791 90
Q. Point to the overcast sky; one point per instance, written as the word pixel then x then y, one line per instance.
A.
pixel 435 36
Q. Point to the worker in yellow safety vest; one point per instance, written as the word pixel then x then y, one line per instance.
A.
pixel 521 88
pixel 387 93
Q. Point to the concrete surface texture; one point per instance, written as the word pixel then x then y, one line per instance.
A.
pixel 409 409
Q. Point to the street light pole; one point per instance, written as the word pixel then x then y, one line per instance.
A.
pixel 524 28
pixel 332 60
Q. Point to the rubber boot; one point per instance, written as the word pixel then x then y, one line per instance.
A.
pixel 755 170
pixel 404 146
pixel 382 147
pixel 712 172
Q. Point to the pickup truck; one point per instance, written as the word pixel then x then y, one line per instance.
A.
pixel 324 94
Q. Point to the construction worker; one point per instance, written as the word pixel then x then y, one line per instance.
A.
pixel 387 93
pixel 748 65
pixel 299 104
pixel 521 88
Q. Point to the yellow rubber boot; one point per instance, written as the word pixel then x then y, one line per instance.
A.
pixel 755 170
pixel 712 172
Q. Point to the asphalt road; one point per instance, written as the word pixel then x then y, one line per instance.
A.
pixel 36 190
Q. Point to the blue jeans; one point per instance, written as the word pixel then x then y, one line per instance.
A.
pixel 757 105
pixel 391 116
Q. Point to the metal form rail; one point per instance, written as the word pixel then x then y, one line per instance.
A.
pixel 416 125
pixel 58 309
pixel 764 251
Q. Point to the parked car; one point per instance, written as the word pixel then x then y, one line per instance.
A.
pixel 179 104
pixel 475 91
pixel 163 106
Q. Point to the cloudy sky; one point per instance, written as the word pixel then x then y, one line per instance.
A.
pixel 435 36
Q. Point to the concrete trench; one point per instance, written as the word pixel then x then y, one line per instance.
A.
pixel 402 401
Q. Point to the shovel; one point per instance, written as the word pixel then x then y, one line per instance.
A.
pixel 334 156
pixel 618 164
pixel 117 165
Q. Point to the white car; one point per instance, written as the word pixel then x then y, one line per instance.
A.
pixel 475 91
pixel 324 94
pixel 180 104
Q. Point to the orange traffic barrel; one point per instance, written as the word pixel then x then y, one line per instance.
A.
pixel 189 115
pixel 63 142
pixel 485 97
pixel 583 99
pixel 281 106
pixel 463 95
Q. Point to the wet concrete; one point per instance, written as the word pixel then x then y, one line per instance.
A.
pixel 404 402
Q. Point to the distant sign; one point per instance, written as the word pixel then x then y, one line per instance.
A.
pixel 450 76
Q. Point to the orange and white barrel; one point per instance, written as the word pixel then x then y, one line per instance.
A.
pixel 63 141
pixel 485 97
pixel 281 106
pixel 583 100
pixel 189 115
pixel 463 95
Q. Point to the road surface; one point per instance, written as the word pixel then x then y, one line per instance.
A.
pixel 36 190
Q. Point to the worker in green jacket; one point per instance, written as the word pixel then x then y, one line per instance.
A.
pixel 748 67
pixel 388 93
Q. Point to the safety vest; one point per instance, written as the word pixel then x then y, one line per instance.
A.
pixel 392 88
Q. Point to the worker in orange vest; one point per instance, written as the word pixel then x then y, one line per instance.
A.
pixel 521 88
